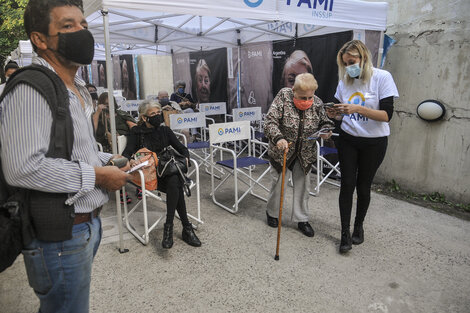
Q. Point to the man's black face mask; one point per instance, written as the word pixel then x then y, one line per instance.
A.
pixel 78 47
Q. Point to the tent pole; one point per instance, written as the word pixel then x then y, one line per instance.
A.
pixel 239 102
pixel 110 80
pixel 381 49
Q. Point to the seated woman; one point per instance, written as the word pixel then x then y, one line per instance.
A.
pixel 102 126
pixel 151 134
pixel 101 123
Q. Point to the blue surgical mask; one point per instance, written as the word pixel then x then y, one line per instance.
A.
pixel 164 101
pixel 180 90
pixel 353 70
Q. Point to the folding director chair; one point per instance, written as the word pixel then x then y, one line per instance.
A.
pixel 254 115
pixel 148 226
pixel 198 150
pixel 322 164
pixel 240 168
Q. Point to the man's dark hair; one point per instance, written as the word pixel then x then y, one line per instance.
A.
pixel 11 64
pixel 90 85
pixel 37 14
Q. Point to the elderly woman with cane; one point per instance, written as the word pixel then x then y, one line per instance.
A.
pixel 294 117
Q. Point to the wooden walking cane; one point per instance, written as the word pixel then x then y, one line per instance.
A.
pixel 280 207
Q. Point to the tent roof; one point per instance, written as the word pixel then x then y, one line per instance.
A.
pixel 154 26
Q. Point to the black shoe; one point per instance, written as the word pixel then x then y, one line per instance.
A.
pixel 167 241
pixel 306 229
pixel 345 244
pixel 358 235
pixel 190 237
pixel 272 221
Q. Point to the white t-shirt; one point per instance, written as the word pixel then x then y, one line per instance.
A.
pixel 381 86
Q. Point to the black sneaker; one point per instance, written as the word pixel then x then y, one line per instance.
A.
pixel 272 221
pixel 306 229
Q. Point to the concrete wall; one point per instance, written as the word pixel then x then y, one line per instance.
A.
pixel 430 60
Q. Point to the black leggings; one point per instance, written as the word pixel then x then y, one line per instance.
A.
pixel 173 188
pixel 359 159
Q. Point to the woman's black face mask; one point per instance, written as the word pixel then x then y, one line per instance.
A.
pixel 155 120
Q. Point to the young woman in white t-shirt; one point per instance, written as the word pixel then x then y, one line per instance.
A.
pixel 366 98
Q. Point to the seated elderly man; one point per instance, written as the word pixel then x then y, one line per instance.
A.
pixel 166 103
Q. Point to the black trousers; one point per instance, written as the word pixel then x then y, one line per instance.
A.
pixel 173 187
pixel 359 159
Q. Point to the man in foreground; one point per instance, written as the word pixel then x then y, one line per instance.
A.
pixel 65 178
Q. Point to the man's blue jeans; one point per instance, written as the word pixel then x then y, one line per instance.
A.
pixel 60 272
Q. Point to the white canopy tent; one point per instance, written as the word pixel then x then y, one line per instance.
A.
pixel 159 26
pixel 166 26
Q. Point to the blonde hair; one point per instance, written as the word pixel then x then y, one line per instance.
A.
pixel 304 82
pixel 355 48
pixel 144 107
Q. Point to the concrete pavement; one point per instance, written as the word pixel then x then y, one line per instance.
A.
pixel 413 260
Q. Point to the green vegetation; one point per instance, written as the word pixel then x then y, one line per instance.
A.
pixel 434 200
pixel 11 27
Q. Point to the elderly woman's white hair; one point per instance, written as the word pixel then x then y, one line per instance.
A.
pixel 145 106
pixel 304 82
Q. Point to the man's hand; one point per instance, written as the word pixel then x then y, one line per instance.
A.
pixel 186 104
pixel 110 178
pixel 167 108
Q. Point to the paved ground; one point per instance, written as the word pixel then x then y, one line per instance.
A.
pixel 413 260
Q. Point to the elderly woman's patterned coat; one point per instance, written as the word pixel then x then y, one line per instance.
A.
pixel 285 121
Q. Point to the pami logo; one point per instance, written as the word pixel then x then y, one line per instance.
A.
pixel 253 3
pixel 212 108
pixel 313 3
pixel 179 120
pixel 253 54
pixel 229 130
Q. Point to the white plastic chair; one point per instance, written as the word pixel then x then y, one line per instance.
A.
pixel 157 195
pixel 240 168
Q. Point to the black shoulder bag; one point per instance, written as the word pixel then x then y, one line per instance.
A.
pixel 171 162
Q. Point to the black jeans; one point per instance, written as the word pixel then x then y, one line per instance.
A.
pixel 173 187
pixel 359 159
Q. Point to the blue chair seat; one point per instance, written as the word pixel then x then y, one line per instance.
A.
pixel 259 135
pixel 243 162
pixel 198 145
pixel 327 150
